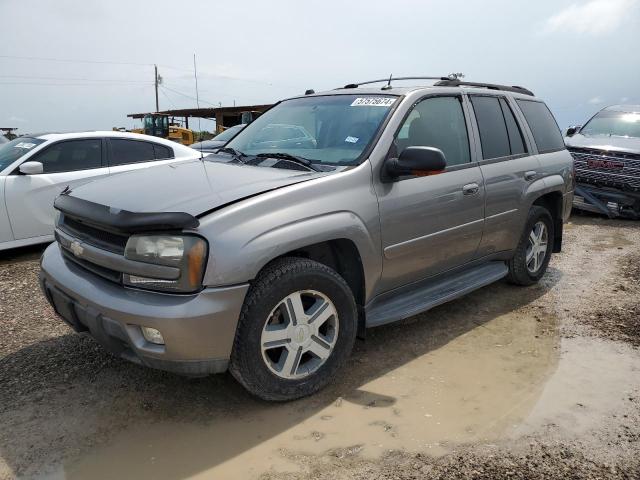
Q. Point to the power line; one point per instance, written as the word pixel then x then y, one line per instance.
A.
pixel 68 60
pixel 168 99
pixel 187 96
pixel 77 84
pixel 36 77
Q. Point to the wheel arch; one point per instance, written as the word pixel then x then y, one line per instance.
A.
pixel 343 256
pixel 552 201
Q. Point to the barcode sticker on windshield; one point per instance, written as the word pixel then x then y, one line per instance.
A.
pixel 25 145
pixel 373 102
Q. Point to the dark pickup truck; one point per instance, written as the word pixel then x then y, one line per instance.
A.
pixel 606 154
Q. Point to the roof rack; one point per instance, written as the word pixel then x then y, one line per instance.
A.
pixel 447 82
pixel 390 79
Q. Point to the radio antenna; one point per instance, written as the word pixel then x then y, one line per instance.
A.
pixel 388 85
pixel 195 75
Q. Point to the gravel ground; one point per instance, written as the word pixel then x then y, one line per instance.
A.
pixel 61 395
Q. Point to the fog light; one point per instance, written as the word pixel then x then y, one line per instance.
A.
pixel 152 335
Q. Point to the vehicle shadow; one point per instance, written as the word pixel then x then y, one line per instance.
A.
pixel 16 255
pixel 580 217
pixel 61 398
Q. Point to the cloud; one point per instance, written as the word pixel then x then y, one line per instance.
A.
pixel 15 119
pixel 595 17
pixel 596 100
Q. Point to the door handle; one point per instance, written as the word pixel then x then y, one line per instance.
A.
pixel 471 189
pixel 530 175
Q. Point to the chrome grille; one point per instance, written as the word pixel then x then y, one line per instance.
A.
pixel 92 267
pixel 110 241
pixel 611 169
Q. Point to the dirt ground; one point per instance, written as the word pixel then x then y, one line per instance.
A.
pixel 508 382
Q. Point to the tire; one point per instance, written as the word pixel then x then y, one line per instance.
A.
pixel 520 270
pixel 265 367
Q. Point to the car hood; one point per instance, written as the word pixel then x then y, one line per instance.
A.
pixel 604 142
pixel 193 187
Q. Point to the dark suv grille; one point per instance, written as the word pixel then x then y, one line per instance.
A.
pixel 110 241
pixel 606 168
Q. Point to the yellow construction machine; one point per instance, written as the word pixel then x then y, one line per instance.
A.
pixel 158 125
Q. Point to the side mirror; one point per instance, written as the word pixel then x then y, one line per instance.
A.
pixel 571 131
pixel 418 161
pixel 31 168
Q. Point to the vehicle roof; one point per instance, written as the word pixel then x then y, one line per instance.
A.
pixel 426 89
pixel 623 108
pixel 111 134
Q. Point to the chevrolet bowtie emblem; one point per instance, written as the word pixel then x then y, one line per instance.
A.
pixel 76 248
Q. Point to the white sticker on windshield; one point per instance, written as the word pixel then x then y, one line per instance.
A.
pixel 373 102
pixel 351 139
pixel 25 145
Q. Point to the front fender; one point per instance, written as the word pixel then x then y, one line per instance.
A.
pixel 322 228
pixel 255 253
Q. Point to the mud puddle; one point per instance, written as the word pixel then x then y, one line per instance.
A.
pixel 474 387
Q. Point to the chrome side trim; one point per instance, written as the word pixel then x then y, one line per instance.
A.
pixel 506 212
pixel 399 249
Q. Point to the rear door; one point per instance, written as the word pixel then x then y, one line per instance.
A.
pixel 508 167
pixel 29 198
pixel 433 223
pixel 129 154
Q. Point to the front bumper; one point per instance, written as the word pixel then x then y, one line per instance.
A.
pixel 198 329
pixel 608 201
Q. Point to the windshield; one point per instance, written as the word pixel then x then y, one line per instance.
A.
pixel 12 151
pixel 619 124
pixel 228 133
pixel 333 130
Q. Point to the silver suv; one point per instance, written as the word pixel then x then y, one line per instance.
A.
pixel 330 213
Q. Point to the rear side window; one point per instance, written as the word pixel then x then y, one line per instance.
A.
pixel 493 129
pixel 71 155
pixel 124 152
pixel 543 126
pixel 162 152
pixel 516 142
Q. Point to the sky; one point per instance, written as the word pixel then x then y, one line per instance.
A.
pixel 84 65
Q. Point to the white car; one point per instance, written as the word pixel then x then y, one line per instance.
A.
pixel 35 169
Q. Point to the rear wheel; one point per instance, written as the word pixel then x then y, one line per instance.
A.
pixel 533 253
pixel 297 328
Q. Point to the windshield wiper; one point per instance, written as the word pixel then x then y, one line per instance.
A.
pixel 292 158
pixel 237 154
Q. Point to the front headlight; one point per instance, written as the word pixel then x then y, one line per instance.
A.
pixel 185 252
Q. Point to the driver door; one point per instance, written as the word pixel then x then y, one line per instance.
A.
pixel 29 198
pixel 431 224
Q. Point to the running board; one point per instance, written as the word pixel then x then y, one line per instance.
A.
pixel 426 294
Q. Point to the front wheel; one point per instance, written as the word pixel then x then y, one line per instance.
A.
pixel 296 329
pixel 533 253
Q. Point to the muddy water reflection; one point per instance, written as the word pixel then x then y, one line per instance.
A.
pixel 464 372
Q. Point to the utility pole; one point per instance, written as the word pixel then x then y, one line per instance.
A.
pixel 156 84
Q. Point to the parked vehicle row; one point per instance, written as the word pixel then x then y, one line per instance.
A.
pixel 35 169
pixel 330 213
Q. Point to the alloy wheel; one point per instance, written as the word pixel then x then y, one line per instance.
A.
pixel 537 247
pixel 299 334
